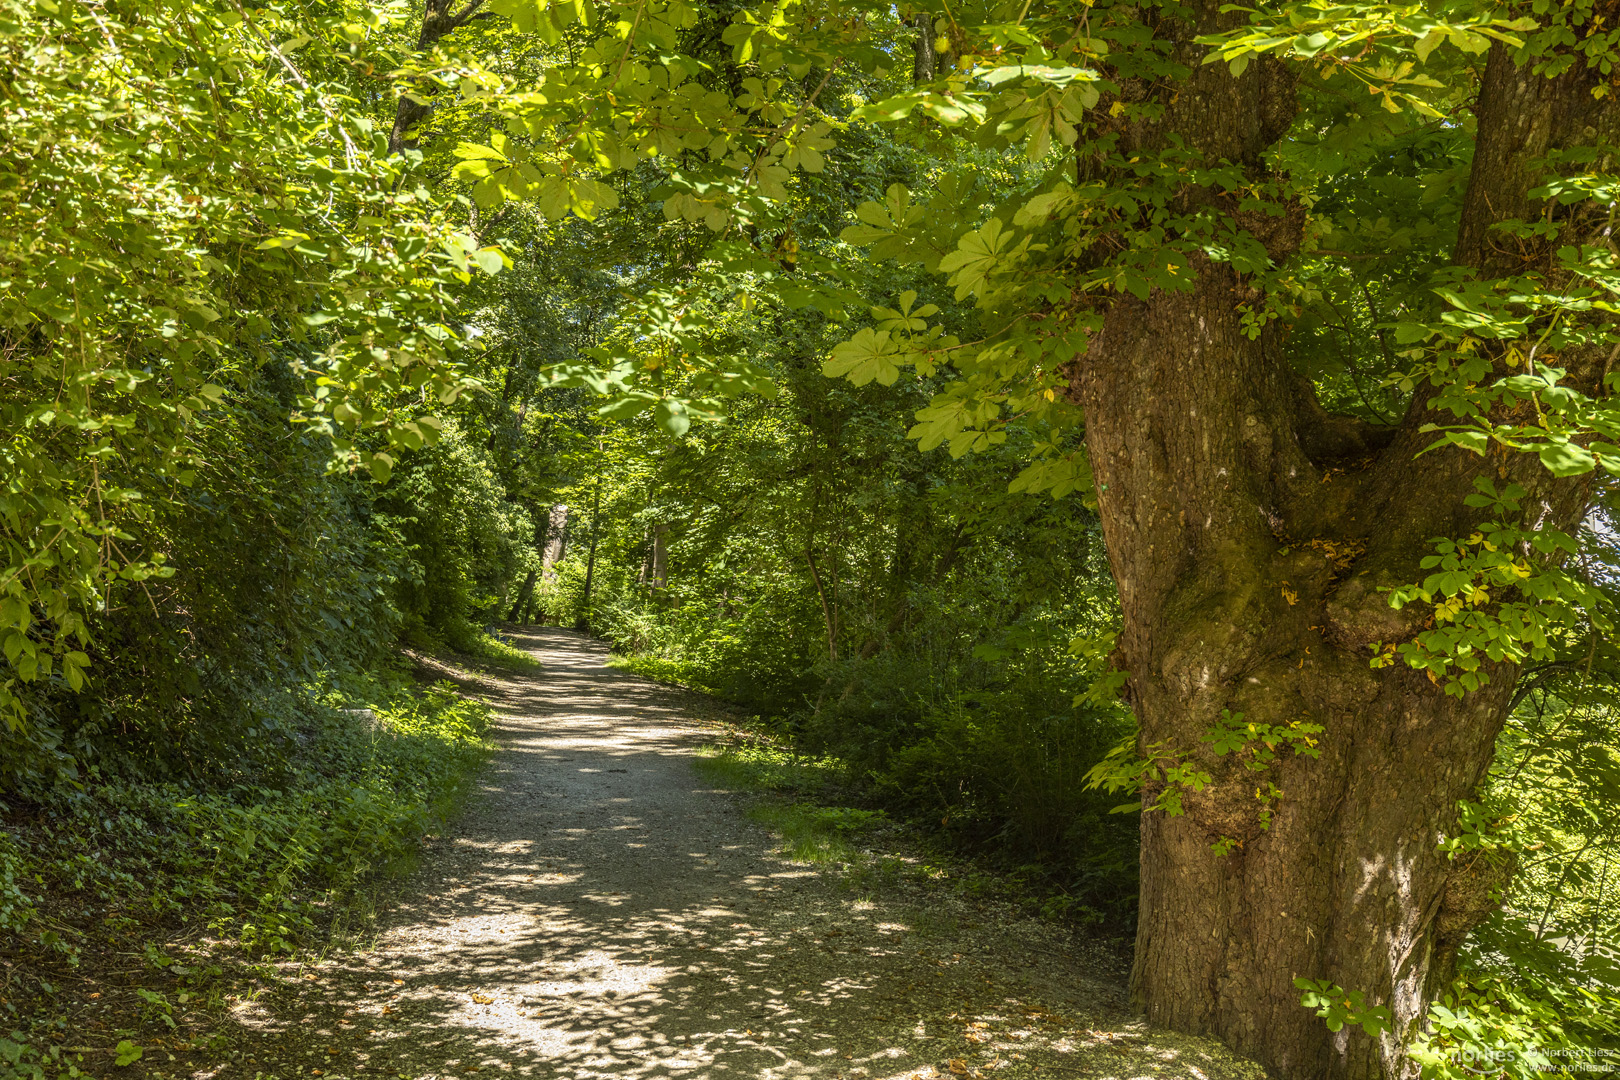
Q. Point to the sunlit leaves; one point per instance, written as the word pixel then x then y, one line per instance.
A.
pixel 962 422
pixel 178 252
pixel 1564 458
pixel 884 224
pixel 979 254
pixel 545 18
pixel 908 319
pixel 804 150
pixel 951 108
pixel 671 415
pixel 868 355
pixel 1057 476
pixel 1370 43
pixel 1503 593
pixel 505 170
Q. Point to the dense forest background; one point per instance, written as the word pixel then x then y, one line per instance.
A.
pixel 285 391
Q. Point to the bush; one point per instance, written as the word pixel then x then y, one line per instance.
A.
pixel 749 652
pixel 995 755
pixel 374 766
pixel 275 576
pixel 465 544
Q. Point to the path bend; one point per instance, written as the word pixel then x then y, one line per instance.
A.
pixel 600 911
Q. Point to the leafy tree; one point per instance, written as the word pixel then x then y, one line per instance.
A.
pixel 1307 306
pixel 186 205
pixel 1198 181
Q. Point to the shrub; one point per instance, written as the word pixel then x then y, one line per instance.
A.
pixel 259 856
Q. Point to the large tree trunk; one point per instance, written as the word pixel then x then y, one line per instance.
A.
pixel 1249 534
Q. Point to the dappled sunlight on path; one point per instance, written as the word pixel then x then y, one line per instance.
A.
pixel 600 912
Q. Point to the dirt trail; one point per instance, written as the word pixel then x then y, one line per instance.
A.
pixel 601 912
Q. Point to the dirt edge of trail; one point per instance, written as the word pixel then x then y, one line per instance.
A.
pixel 600 911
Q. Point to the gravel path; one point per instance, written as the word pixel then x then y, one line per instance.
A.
pixel 600 912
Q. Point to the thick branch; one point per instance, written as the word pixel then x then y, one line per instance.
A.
pixel 436 23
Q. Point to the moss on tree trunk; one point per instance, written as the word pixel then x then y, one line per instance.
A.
pixel 1251 536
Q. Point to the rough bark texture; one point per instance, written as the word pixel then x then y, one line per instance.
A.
pixel 922 49
pixel 437 21
pixel 556 541
pixel 1249 534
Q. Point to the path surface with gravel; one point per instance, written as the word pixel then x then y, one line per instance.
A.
pixel 601 911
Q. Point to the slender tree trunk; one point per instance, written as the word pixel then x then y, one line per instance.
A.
pixel 660 557
pixel 555 543
pixel 826 608
pixel 1250 535
pixel 522 600
pixel 924 59
pixel 584 621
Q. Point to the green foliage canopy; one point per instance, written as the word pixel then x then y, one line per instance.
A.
pixel 183 202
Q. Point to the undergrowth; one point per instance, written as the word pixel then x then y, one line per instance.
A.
pixel 764 767
pixel 984 754
pixel 818 834
pixel 498 649
pixel 672 672
pixel 481 647
pixel 242 868
pixel 802 799
pixel 810 832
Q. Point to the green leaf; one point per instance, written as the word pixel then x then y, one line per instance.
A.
pixel 528 16
pixel 587 197
pixel 940 422
pixel 1474 441
pixel 127 1053
pixel 866 356
pixel 285 240
pixel 976 257
pixel 1429 42
pixel 626 407
pixel 407 436
pixel 473 151
pixel 863 235
pixel 948 108
pixel 1055 76
pixel 1567 459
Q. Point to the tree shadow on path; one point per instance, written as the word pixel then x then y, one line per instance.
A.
pixel 600 911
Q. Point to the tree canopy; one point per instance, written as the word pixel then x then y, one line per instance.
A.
pixel 1206 406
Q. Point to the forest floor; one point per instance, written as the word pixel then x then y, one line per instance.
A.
pixel 601 910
